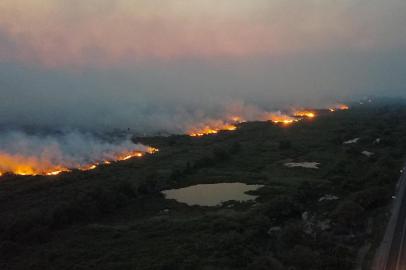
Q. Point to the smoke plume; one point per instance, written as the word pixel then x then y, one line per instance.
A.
pixel 24 153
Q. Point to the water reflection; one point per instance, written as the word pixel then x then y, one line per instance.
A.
pixel 212 194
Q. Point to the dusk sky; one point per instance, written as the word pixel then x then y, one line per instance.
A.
pixel 142 63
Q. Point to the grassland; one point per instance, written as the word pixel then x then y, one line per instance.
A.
pixel 114 217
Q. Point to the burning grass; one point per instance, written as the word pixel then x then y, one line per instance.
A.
pixel 339 107
pixel 280 118
pixel 212 127
pixel 31 165
pixel 305 113
pixel 50 163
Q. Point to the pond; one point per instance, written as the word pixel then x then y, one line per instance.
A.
pixel 212 194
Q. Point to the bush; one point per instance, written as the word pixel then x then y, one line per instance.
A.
pixel 220 154
pixel 285 145
pixel 282 207
pixel 147 186
pixel 204 162
pixel 372 197
pixel 291 235
pixel 302 257
pixel 9 249
pixel 265 263
pixel 348 213
pixel 235 148
pixel 309 192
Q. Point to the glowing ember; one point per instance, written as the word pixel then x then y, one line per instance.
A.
pixel 308 114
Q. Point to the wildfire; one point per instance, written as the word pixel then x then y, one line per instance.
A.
pixel 88 167
pixel 237 119
pixel 280 118
pixel 212 129
pixel 204 131
pixel 21 165
pixel 56 172
pixel 284 121
pixel 308 114
pixel 341 107
pixel 135 154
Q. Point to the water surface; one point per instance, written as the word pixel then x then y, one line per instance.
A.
pixel 212 194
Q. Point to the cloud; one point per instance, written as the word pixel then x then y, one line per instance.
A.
pixel 104 33
pixel 160 66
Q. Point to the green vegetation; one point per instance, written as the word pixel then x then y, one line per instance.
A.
pixel 116 218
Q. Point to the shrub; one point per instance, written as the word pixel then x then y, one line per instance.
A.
pixel 282 207
pixel 302 257
pixel 347 213
pixel 147 187
pixel 372 197
pixel 285 144
pixel 265 263
pixel 220 154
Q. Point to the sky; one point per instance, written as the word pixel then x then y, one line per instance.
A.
pixel 158 65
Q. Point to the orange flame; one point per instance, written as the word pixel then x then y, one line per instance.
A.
pixel 88 167
pixel 280 118
pixel 56 172
pixel 308 114
pixel 237 119
pixel 211 129
pixel 21 165
pixel 341 107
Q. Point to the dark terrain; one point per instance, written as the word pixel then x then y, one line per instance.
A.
pixel 115 217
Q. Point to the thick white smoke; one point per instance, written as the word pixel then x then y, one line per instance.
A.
pixel 39 154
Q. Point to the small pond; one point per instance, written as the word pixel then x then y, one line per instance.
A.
pixel 212 194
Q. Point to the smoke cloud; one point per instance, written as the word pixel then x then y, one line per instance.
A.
pixel 25 153
pixel 164 66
